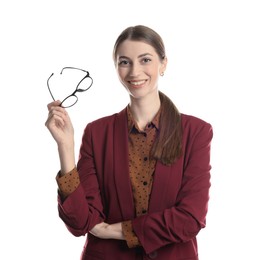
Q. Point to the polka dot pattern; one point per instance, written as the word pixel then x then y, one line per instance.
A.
pixel 141 166
pixel 141 169
pixel 68 182
pixel 131 238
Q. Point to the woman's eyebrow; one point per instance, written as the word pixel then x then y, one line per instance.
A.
pixel 123 57
pixel 144 54
pixel 141 55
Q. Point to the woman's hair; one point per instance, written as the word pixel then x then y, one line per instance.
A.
pixel 167 146
pixel 144 34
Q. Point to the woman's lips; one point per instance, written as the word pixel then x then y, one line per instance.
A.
pixel 137 82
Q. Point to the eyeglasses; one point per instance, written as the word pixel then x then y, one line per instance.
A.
pixel 82 86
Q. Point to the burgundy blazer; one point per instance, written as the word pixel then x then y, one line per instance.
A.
pixel 178 202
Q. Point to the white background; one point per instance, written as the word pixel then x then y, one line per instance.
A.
pixel 218 70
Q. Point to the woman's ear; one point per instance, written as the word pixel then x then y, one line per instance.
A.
pixel 163 66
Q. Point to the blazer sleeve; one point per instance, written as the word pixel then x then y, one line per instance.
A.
pixel 83 208
pixel 184 220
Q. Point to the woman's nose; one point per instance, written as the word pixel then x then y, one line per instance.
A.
pixel 135 70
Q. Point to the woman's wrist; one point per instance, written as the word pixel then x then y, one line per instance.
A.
pixel 116 231
pixel 106 231
pixel 67 158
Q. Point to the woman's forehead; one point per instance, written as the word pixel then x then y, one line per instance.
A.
pixel 131 48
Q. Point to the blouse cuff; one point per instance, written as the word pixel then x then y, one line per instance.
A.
pixel 131 238
pixel 68 182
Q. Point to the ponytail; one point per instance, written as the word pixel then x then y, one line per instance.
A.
pixel 167 146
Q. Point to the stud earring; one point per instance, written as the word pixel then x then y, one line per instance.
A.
pixel 162 74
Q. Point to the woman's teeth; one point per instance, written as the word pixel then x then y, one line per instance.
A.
pixel 136 83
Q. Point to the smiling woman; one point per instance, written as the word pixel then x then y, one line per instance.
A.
pixel 140 67
pixel 140 189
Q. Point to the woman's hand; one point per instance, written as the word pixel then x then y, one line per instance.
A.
pixel 59 124
pixel 106 231
pixel 61 128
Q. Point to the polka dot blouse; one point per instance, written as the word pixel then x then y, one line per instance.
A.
pixel 141 171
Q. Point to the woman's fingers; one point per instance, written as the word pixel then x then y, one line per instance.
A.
pixel 56 119
pixel 54 104
pixel 59 124
pixel 56 113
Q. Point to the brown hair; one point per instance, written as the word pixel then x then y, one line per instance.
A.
pixel 141 33
pixel 167 146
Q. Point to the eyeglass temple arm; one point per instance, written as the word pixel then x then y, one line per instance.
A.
pixel 87 75
pixel 74 69
pixel 49 87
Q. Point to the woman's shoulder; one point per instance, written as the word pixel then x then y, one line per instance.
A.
pixel 191 119
pixel 106 120
pixel 194 123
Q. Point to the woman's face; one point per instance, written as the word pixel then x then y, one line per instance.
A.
pixel 139 67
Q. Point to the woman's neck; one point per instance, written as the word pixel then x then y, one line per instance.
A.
pixel 144 109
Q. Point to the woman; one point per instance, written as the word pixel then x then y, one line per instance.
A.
pixel 140 188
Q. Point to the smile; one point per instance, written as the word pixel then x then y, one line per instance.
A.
pixel 137 83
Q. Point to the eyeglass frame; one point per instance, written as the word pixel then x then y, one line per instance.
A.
pixel 76 90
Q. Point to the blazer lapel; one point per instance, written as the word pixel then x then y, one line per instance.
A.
pixel 121 168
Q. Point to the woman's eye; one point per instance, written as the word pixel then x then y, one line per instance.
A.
pixel 123 62
pixel 146 60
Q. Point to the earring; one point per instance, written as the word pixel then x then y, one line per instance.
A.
pixel 162 74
